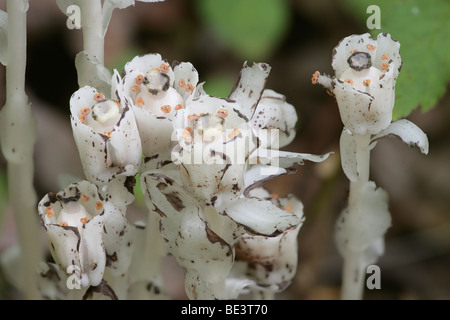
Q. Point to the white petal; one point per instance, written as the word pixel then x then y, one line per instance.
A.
pixel 347 147
pixel 274 113
pixel 258 174
pixel 388 50
pixel 187 235
pixel 92 73
pixel 249 87
pixel 118 237
pixel 259 216
pixel 408 132
pixel 188 75
pixel 342 51
pixel 284 159
pixel 354 107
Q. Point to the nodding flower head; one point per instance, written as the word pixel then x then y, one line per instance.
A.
pixel 366 70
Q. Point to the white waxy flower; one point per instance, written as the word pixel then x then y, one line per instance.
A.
pixel 272 261
pixel 214 142
pixel 106 135
pixel 86 232
pixel 366 70
pixel 157 91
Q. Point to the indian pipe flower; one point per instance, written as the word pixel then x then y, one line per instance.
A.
pixel 366 70
pixel 106 135
pixel 157 91
pixel 86 232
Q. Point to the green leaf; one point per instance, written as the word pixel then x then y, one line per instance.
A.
pixel 250 28
pixel 422 28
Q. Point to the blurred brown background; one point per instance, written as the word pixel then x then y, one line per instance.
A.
pixel 417 257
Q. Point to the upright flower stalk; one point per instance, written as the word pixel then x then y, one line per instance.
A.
pixel 18 135
pixel 366 71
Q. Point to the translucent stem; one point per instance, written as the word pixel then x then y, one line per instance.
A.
pixel 353 273
pixel 18 138
pixel 93 41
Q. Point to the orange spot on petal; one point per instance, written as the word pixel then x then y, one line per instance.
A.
pixel 179 106
pixel 188 134
pixel 98 205
pixel 371 47
pixel 366 82
pixel 99 97
pixel 84 220
pixel 63 224
pixel 83 118
pixel 182 83
pixel 140 102
pixel 50 212
pixel 192 117
pixel 135 88
pixel 384 56
pixel 189 88
pixel 164 68
pixel 234 133
pixel 384 66
pixel 222 113
pixel 288 207
pixel 349 81
pixel 84 198
pixel 166 108
pixel 138 80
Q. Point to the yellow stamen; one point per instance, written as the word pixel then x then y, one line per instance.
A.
pixel 234 133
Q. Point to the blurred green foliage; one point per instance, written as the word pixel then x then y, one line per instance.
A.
pixel 3 195
pixel 251 29
pixel 423 29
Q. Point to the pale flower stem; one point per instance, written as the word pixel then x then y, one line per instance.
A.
pixel 353 273
pixel 91 19
pixel 151 258
pixel 20 162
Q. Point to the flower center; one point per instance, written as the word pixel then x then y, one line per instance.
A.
pixel 106 112
pixel 359 61
pixel 156 81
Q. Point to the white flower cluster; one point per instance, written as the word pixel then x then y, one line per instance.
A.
pixel 201 160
